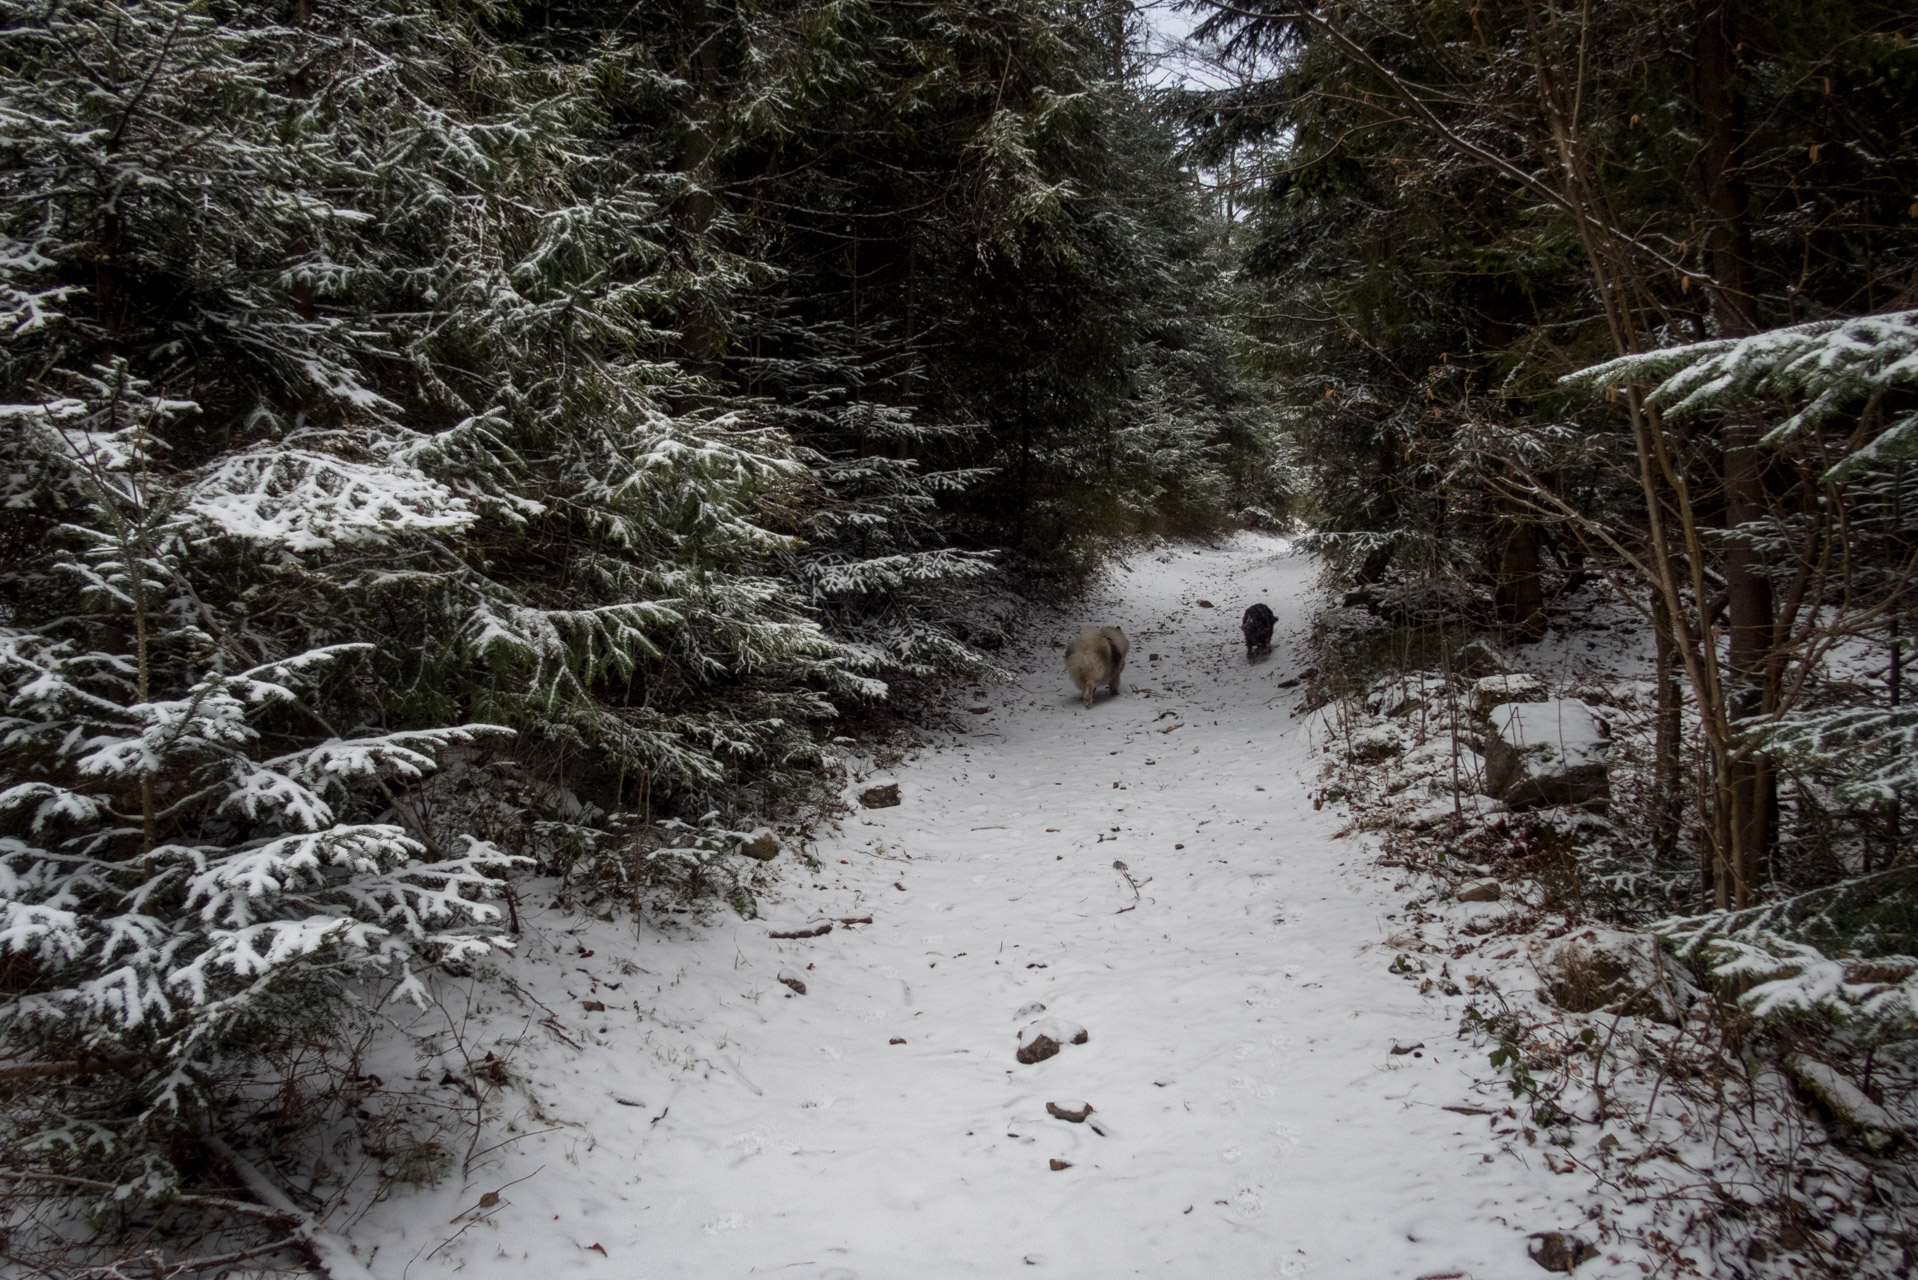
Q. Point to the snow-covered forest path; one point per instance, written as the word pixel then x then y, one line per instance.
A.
pixel 1232 974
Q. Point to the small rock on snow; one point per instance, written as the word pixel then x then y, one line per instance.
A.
pixel 1042 1039
pixel 1059 1029
pixel 1060 1165
pixel 1031 1010
pixel 1071 1112
pixel 1558 1250
pixel 793 980
pixel 1036 1049
pixel 883 797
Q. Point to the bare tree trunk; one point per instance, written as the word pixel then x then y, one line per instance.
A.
pixel 1518 598
pixel 1748 589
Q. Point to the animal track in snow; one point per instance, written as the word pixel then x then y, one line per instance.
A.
pixel 1254 1087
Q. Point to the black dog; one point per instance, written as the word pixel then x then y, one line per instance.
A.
pixel 1257 626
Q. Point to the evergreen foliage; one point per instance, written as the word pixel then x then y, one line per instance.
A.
pixel 1703 213
pixel 440 439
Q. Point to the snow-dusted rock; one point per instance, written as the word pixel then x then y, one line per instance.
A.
pixel 1558 1250
pixel 793 980
pixel 1036 1048
pixel 1373 743
pixel 1074 1112
pixel 1542 754
pixel 1480 891
pixel 881 796
pixel 1045 1037
pixel 761 844
pixel 1492 691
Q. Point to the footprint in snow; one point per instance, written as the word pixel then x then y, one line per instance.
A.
pixel 1252 1086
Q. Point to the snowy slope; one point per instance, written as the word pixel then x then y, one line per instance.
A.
pixel 1240 1013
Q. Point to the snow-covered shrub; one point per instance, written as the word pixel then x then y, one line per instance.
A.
pixel 1778 979
pixel 420 294
pixel 196 865
pixel 1829 368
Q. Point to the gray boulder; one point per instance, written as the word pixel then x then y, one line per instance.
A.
pixel 1540 755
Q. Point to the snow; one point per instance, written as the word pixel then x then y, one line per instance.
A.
pixel 1254 1119
pixel 1562 729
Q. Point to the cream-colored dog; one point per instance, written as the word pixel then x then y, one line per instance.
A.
pixel 1096 656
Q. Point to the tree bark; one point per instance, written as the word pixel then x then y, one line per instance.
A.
pixel 1749 788
pixel 1518 597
